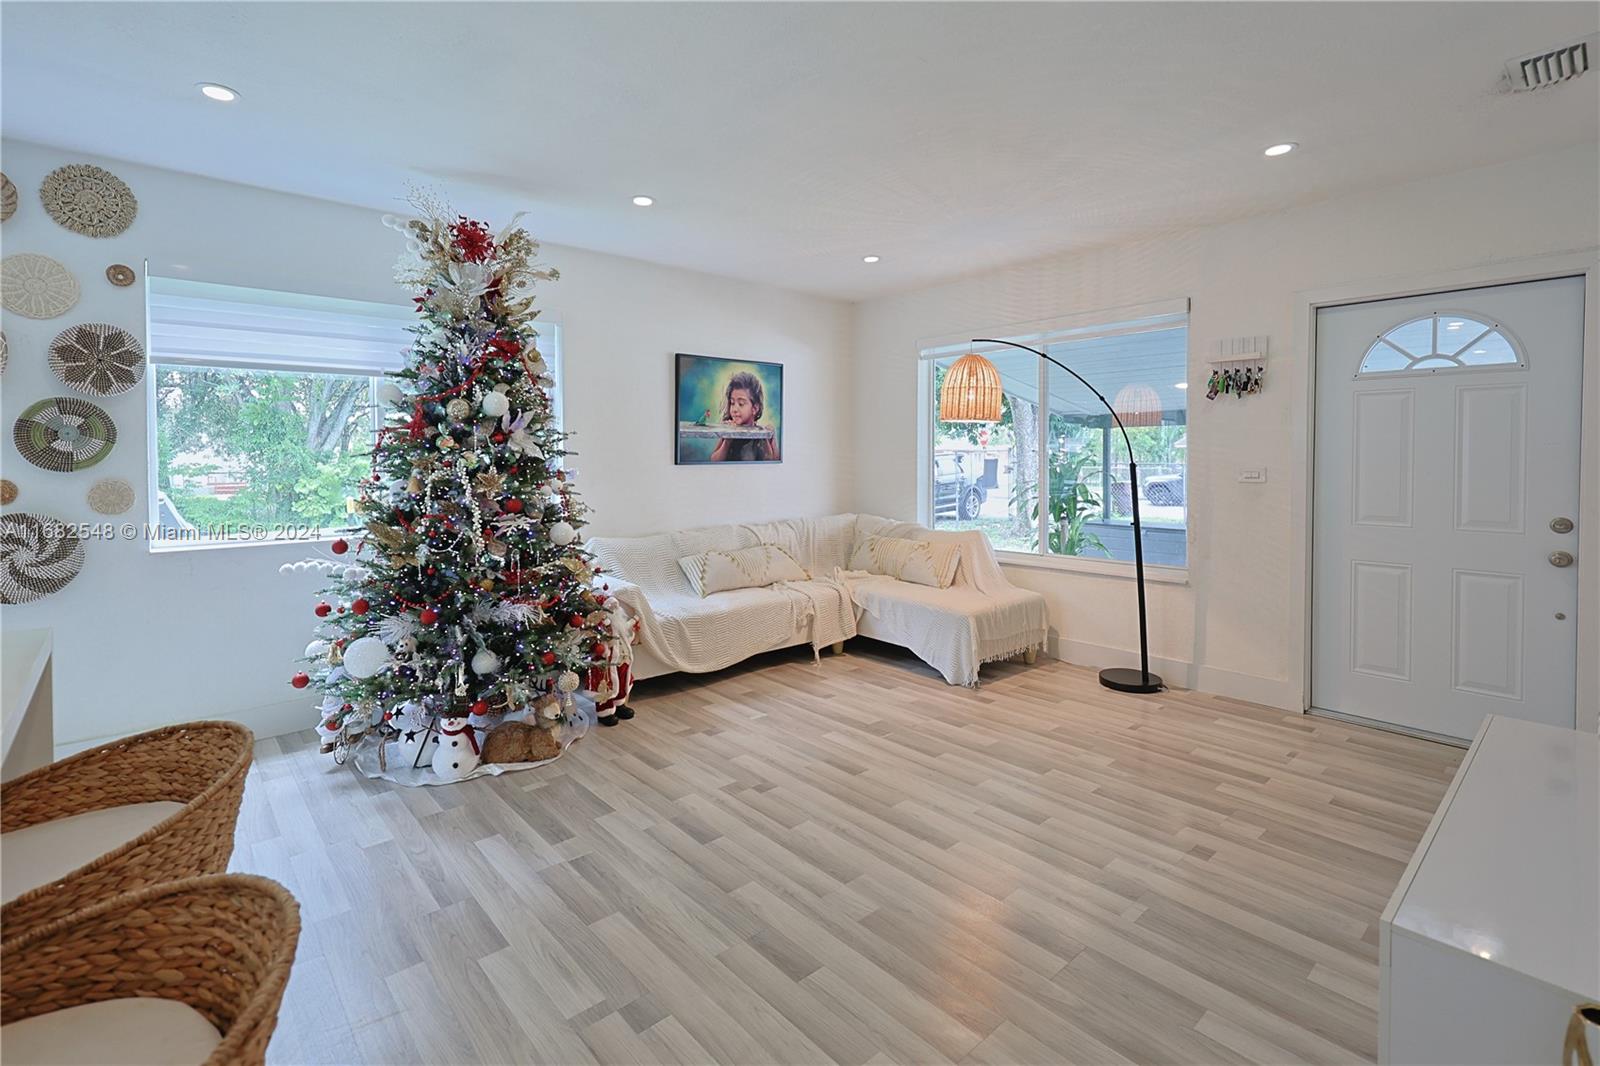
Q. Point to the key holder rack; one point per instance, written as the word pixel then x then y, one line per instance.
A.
pixel 1240 368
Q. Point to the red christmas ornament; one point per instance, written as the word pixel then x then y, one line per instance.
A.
pixel 513 505
pixel 428 616
pixel 472 240
pixel 498 438
pixel 361 606
pixel 549 658
pixel 480 707
pixel 300 680
pixel 577 621
pixel 322 610
pixel 340 546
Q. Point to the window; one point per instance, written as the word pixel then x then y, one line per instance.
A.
pixel 1441 341
pixel 264 408
pixel 1065 449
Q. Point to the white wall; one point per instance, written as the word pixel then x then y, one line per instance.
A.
pixel 1232 629
pixel 142 639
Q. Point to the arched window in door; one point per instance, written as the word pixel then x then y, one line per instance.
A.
pixel 1441 341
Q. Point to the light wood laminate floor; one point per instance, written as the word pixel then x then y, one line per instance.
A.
pixel 854 862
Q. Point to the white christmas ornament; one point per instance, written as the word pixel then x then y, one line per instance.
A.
pixel 495 404
pixel 562 534
pixel 390 393
pixel 317 649
pixel 354 573
pixel 567 682
pixel 366 656
pixel 456 754
pixel 485 662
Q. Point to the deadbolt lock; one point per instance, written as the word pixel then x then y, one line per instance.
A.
pixel 1561 525
pixel 1560 558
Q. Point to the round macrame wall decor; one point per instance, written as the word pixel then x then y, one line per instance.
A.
pixel 38 555
pixel 5 351
pixel 36 286
pixel 8 198
pixel 88 200
pixel 96 358
pixel 110 495
pixel 64 434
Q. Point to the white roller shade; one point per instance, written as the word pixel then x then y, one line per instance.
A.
pixel 197 323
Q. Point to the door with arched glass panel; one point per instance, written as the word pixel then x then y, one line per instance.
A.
pixel 1445 579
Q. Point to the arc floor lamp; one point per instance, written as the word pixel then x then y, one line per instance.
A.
pixel 971 393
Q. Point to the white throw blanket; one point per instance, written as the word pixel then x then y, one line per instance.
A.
pixel 980 618
pixel 679 630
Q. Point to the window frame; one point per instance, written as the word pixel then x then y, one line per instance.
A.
pixel 548 327
pixel 1118 321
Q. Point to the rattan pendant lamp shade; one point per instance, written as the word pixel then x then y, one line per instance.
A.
pixel 971 391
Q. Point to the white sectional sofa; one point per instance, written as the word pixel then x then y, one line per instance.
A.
pixel 980 617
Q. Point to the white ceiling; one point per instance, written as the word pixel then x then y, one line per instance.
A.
pixel 785 141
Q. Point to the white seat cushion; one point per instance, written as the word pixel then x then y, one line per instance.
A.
pixel 134 1032
pixel 42 853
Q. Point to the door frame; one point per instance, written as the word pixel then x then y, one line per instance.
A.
pixel 1582 262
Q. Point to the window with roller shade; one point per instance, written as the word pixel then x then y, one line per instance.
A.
pixel 263 408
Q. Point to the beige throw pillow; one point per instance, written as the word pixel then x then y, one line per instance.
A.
pixel 909 560
pixel 746 568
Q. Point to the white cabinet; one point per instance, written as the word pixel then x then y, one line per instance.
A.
pixel 1493 934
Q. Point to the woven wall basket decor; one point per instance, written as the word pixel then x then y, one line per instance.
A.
pixel 38 556
pixel 5 351
pixel 64 433
pixel 36 286
pixel 110 495
pixel 120 274
pixel 88 200
pixel 8 491
pixel 8 198
pixel 96 358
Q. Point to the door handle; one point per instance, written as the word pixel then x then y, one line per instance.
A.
pixel 1562 559
pixel 1561 525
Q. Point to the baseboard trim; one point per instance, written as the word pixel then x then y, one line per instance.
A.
pixel 1267 691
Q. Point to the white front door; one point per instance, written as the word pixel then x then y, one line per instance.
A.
pixel 1445 578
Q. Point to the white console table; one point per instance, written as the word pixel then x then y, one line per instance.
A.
pixel 1493 934
pixel 26 709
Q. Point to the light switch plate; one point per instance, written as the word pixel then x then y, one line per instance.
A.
pixel 1253 475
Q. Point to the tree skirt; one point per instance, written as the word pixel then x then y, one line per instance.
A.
pixel 401 772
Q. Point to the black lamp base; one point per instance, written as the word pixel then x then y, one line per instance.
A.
pixel 1127 679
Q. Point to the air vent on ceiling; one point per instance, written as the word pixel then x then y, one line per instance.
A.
pixel 1552 67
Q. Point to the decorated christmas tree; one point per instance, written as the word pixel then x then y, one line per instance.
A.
pixel 467 597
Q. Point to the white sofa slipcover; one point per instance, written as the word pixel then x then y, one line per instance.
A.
pixel 980 618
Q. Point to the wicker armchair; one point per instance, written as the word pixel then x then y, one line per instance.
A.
pixel 222 945
pixel 200 765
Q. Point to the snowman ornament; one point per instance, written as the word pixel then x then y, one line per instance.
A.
pixel 456 754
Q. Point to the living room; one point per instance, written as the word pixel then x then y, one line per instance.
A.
pixel 1089 659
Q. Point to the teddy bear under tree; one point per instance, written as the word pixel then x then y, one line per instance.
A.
pixel 468 595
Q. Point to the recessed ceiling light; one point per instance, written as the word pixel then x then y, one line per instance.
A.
pixel 218 92
pixel 643 201
pixel 1281 149
pixel 1180 384
pixel 869 259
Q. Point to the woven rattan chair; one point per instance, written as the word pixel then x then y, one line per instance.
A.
pixel 221 945
pixel 199 765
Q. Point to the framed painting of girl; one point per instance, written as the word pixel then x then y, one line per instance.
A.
pixel 728 410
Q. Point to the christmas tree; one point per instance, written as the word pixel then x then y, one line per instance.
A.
pixel 468 595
